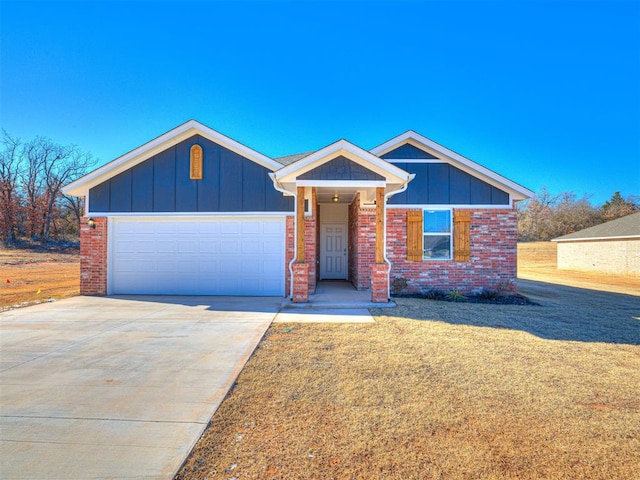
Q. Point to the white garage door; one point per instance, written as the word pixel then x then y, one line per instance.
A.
pixel 197 256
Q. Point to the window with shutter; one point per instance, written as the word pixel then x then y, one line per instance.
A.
pixel 462 236
pixel 195 163
pixel 414 235
pixel 437 235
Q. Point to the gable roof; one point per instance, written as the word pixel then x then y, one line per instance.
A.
pixel 172 137
pixel 620 228
pixel 345 149
pixel 518 192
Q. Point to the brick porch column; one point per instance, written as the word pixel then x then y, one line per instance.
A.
pixel 300 282
pixel 379 283
pixel 93 257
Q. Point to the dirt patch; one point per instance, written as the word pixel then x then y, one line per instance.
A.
pixel 537 261
pixel 36 274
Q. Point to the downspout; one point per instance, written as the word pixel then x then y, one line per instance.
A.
pixel 402 188
pixel 281 189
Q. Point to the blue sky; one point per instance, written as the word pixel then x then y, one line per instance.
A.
pixel 543 92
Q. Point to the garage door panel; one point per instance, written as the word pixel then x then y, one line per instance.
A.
pixel 201 256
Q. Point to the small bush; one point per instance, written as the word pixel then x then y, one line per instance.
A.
pixel 433 294
pixel 488 294
pixel 456 296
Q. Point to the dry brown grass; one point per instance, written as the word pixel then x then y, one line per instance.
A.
pixel 54 274
pixel 438 390
pixel 537 261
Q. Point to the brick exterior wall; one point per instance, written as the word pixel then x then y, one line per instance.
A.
pixel 290 238
pixel 300 285
pixel 493 257
pixel 379 283
pixel 310 242
pixel 362 244
pixel 93 257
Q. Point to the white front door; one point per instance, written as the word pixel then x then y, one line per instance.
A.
pixel 333 251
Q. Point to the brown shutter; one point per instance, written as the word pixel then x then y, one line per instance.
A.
pixel 196 163
pixel 462 235
pixel 414 235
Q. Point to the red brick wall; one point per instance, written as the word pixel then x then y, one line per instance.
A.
pixel 310 239
pixel 362 244
pixel 290 236
pixel 93 257
pixel 493 256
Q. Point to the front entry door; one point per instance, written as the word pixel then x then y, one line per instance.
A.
pixel 333 251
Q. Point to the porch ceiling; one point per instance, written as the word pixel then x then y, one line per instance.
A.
pixel 345 194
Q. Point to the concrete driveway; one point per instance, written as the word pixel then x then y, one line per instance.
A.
pixel 118 387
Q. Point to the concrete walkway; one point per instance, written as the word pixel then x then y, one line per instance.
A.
pixel 118 387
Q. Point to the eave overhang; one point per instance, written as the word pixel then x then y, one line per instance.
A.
pixel 185 131
pixel 517 192
pixel 288 177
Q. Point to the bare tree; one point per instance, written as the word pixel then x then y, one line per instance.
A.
pixel 9 191
pixel 547 216
pixel 61 166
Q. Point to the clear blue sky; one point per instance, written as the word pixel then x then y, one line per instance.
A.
pixel 543 92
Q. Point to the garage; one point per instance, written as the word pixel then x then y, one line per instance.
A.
pixel 197 255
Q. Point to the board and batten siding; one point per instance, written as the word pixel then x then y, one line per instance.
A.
pixel 440 183
pixel 230 183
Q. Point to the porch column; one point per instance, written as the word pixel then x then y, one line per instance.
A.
pixel 300 226
pixel 380 270
pixel 300 268
pixel 379 225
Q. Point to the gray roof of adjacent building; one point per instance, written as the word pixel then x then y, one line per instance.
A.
pixel 624 227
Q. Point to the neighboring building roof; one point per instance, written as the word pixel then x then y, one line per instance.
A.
pixel 624 227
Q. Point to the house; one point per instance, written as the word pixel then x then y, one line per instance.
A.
pixel 611 247
pixel 194 212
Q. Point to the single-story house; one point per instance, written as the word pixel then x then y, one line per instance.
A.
pixel 611 247
pixel 194 212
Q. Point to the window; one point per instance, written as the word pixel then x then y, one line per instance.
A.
pixel 437 235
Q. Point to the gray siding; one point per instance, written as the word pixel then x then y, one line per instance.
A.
pixel 340 168
pixel 444 184
pixel 407 152
pixel 230 183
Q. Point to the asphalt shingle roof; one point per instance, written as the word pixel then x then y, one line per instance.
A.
pixel 628 226
pixel 289 159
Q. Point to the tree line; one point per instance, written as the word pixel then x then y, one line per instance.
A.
pixel 32 204
pixel 547 216
pixel 32 175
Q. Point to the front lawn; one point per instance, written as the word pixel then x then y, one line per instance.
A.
pixel 437 390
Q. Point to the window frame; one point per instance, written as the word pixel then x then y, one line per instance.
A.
pixel 437 234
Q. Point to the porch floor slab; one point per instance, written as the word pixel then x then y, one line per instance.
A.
pixel 337 294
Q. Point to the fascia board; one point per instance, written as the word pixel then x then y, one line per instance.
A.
pixel 159 144
pixel 352 152
pixel 518 191
pixel 591 239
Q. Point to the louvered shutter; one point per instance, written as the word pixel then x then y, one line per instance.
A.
pixel 462 235
pixel 414 235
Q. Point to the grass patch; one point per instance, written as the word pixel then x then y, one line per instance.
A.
pixel 432 390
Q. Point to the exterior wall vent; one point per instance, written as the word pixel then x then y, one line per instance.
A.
pixel 195 170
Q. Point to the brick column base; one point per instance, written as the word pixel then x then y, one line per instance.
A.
pixel 93 257
pixel 380 283
pixel 300 282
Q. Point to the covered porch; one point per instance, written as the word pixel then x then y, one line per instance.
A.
pixel 338 229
